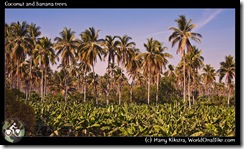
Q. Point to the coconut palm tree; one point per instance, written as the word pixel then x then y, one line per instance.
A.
pixel 33 33
pixel 90 48
pixel 43 55
pixel 35 79
pixel 132 67
pixel 66 46
pixel 196 85
pixel 149 61
pixel 86 68
pixel 120 79
pixel 227 70
pixel 103 86
pixel 194 61
pixel 75 73
pixel 9 64
pixel 8 49
pixel 113 68
pixel 161 60
pixel 182 36
pixel 208 77
pixel 93 80
pixel 124 47
pixel 179 76
pixel 19 44
pixel 111 51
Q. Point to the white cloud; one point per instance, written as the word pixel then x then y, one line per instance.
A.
pixel 157 33
pixel 207 18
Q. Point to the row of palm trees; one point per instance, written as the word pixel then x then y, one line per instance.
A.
pixel 28 57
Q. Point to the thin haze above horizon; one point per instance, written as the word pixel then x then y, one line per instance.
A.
pixel 217 26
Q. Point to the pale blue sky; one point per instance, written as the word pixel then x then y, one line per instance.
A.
pixel 217 27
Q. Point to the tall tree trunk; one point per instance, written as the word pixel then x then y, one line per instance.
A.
pixel 30 78
pixel 184 73
pixel 95 86
pixel 120 81
pixel 107 100
pixel 228 95
pixel 119 92
pixel 108 82
pixel 112 78
pixel 208 93
pixel 30 73
pixel 18 79
pixel 84 78
pixel 189 81
pixel 148 90
pixel 66 88
pixel 42 81
pixel 131 92
pixel 17 74
pixel 157 88
pixel 45 83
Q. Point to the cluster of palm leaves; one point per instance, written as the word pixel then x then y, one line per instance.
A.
pixel 28 59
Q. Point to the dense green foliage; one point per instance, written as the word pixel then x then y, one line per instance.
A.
pixel 55 118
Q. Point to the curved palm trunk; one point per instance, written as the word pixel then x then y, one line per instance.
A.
pixel 189 81
pixel 95 86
